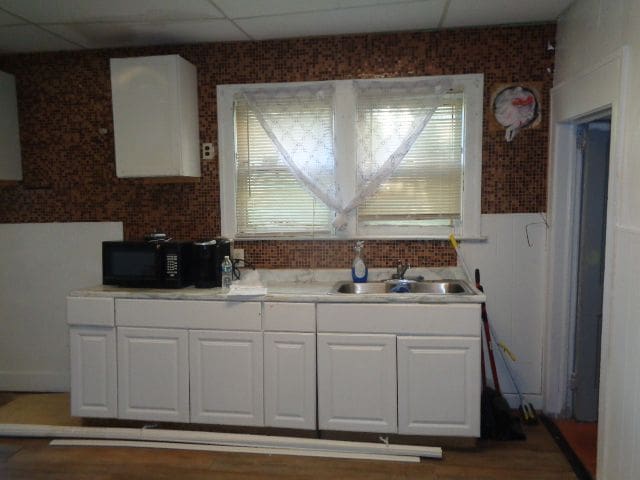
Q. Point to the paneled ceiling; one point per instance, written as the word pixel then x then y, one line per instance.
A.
pixel 49 25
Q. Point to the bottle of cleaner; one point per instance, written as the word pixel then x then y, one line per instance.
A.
pixel 227 269
pixel 359 270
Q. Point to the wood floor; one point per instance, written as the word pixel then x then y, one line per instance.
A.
pixel 582 437
pixel 538 458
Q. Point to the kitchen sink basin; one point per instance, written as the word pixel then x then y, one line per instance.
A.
pixel 438 287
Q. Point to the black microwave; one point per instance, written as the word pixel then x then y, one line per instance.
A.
pixel 146 264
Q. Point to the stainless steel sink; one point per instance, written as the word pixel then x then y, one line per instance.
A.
pixel 362 288
pixel 442 288
pixel 438 287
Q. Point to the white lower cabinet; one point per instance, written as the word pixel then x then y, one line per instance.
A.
pixel 226 377
pixel 290 380
pixel 411 369
pixel 93 372
pixel 153 374
pixel 439 386
pixel 357 382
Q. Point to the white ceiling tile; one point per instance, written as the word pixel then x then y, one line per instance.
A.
pixel 107 23
pixel 465 13
pixel 67 11
pixel 29 38
pixel 362 3
pixel 8 19
pixel 104 35
pixel 252 8
pixel 383 18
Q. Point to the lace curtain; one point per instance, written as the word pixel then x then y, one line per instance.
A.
pixel 389 118
pixel 299 122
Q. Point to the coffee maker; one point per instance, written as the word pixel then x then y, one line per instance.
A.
pixel 207 257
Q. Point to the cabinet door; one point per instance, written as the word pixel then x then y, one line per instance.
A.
pixel 439 386
pixel 290 380
pixel 357 382
pixel 10 156
pixel 93 372
pixel 153 374
pixel 155 116
pixel 226 377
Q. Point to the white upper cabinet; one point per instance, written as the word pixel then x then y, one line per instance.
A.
pixel 155 116
pixel 10 158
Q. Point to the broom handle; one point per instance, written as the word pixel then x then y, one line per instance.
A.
pixel 508 369
pixel 482 367
pixel 487 336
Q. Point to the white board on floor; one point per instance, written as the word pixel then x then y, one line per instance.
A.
pixel 40 263
pixel 298 452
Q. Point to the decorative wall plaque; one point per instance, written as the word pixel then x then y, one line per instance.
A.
pixel 514 107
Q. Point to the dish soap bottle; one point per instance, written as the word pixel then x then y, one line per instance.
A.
pixel 359 270
pixel 227 269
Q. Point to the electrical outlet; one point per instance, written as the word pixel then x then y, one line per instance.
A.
pixel 238 253
pixel 207 151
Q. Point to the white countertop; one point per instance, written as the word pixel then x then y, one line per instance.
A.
pixel 309 286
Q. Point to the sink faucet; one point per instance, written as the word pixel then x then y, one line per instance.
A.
pixel 401 269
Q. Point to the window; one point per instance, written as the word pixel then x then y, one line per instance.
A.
pixel 265 185
pixel 426 188
pixel 341 135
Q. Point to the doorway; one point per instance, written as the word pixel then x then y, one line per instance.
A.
pixel 593 140
pixel 593 143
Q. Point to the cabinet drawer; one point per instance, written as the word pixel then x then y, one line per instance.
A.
pixel 449 319
pixel 95 311
pixel 202 315
pixel 289 317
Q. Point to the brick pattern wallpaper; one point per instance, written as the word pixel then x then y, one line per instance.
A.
pixel 68 149
pixel 340 253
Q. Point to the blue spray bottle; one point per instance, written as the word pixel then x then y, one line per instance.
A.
pixel 359 270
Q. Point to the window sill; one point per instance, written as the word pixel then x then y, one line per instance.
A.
pixel 469 238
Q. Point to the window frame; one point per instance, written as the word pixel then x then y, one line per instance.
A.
pixel 472 88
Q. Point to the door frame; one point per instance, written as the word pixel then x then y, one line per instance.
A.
pixel 581 98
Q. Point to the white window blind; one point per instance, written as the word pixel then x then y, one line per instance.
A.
pixel 269 199
pixel 426 189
